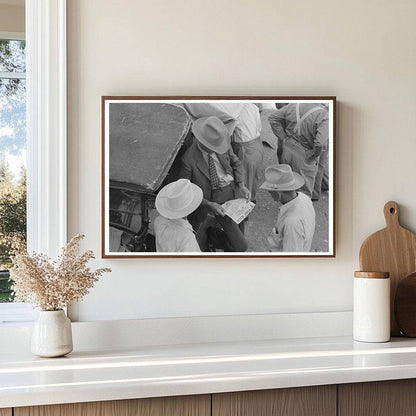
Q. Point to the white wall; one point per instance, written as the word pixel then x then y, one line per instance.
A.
pixel 363 52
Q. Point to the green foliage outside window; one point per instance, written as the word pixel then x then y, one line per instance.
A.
pixel 12 223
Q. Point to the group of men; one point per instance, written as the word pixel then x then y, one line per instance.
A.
pixel 225 162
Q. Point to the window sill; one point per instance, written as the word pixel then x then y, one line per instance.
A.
pixel 16 313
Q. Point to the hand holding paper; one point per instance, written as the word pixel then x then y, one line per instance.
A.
pixel 238 209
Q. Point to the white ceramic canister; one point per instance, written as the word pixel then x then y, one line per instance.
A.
pixel 371 307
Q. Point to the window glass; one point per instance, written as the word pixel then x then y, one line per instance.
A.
pixel 12 56
pixel 12 156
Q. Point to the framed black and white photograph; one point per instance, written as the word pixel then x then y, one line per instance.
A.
pixel 218 176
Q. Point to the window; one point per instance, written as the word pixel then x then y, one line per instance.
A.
pixel 45 27
pixel 12 153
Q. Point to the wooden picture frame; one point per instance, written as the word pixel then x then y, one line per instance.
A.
pixel 144 141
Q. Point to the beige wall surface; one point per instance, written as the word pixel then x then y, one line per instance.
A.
pixel 363 52
pixel 12 18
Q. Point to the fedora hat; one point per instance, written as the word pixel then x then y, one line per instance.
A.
pixel 280 177
pixel 212 133
pixel 178 199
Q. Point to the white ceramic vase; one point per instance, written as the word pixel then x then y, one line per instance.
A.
pixel 52 334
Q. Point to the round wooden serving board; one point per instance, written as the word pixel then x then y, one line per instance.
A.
pixel 393 250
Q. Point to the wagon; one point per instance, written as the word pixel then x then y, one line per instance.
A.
pixel 146 141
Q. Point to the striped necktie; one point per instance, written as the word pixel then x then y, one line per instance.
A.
pixel 213 175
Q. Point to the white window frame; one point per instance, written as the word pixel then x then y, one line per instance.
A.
pixel 46 127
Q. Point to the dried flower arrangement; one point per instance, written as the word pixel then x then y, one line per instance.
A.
pixel 53 285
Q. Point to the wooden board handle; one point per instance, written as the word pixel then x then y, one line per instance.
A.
pixel 391 214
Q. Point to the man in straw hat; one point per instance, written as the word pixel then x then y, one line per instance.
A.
pixel 295 224
pixel 211 164
pixel 244 124
pixel 175 202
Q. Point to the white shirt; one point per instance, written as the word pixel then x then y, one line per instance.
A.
pixel 174 235
pixel 295 226
pixel 248 124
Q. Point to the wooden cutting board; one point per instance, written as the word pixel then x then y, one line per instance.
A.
pixel 393 250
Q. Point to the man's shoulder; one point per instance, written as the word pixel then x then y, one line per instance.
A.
pixel 304 200
pixel 320 113
pixel 299 206
pixel 191 153
pixel 160 220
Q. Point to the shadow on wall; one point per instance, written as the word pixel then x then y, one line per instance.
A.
pixel 344 179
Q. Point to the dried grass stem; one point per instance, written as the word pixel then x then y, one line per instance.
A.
pixel 53 285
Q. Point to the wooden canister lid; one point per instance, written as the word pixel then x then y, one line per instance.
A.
pixel 372 275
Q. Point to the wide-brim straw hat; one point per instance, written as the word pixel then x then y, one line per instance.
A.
pixel 212 133
pixel 280 177
pixel 178 199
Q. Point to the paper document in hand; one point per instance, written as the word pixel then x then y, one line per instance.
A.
pixel 238 209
